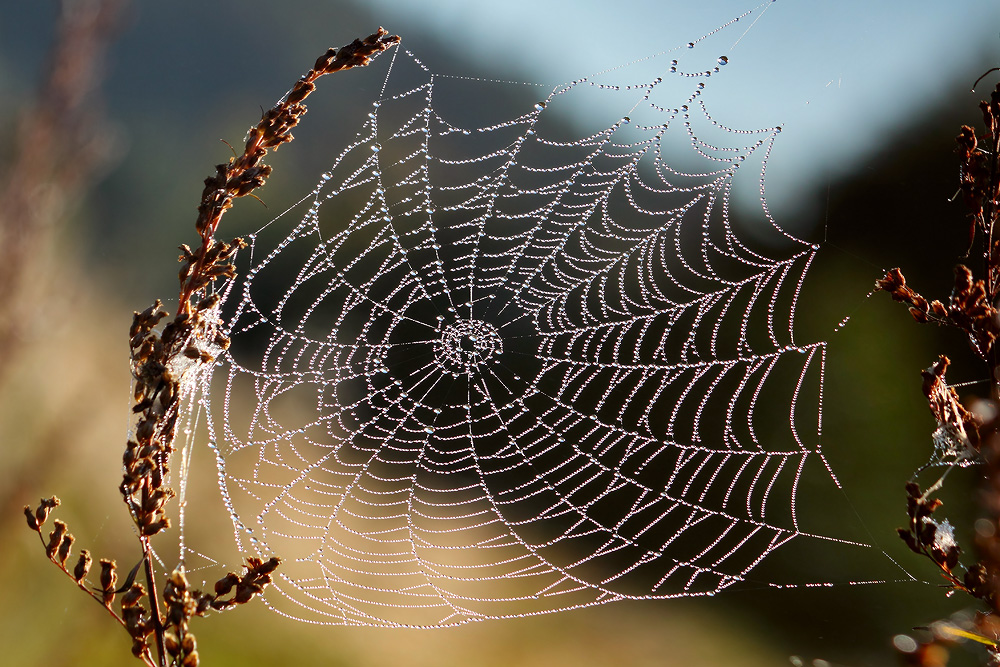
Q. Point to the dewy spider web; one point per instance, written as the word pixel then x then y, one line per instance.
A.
pixel 523 366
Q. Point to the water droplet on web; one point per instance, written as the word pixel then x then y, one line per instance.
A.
pixel 376 148
pixel 690 45
pixel 540 105
pixel 723 60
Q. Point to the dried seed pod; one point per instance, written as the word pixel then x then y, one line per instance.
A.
pixel 56 538
pixel 178 580
pixel 64 549
pixel 139 647
pixel 269 566
pixel 908 538
pixel 82 566
pixel 170 643
pixel 325 60
pixel 224 585
pixel 45 506
pixel 156 526
pixel 109 577
pixel 32 521
pixel 132 596
pixel 204 604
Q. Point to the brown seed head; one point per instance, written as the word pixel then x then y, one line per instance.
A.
pixel 109 577
pixel 32 521
pixel 82 566
pixel 132 596
pixel 45 506
pixel 64 548
pixel 56 538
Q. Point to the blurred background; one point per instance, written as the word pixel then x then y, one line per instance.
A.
pixel 113 115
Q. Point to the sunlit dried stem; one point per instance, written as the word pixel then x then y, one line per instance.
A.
pixel 161 360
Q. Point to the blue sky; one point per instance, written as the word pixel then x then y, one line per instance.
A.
pixel 840 76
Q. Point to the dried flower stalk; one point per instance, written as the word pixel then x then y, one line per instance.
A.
pixel 164 363
pixel 964 436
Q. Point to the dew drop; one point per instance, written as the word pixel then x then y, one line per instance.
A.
pixel 540 105
pixel 905 644
pixel 690 45
pixel 723 60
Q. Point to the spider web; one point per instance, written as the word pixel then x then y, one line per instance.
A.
pixel 522 365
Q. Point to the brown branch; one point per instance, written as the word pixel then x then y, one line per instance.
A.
pixel 962 435
pixel 165 364
pixel 243 174
pixel 58 548
pixel 968 308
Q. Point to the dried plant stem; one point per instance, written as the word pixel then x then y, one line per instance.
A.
pixel 154 601
pixel 243 174
pixel 963 436
pixel 166 364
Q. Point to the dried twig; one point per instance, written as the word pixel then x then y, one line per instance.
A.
pixel 962 436
pixel 166 363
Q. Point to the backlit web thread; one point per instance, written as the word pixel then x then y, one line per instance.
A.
pixel 507 370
